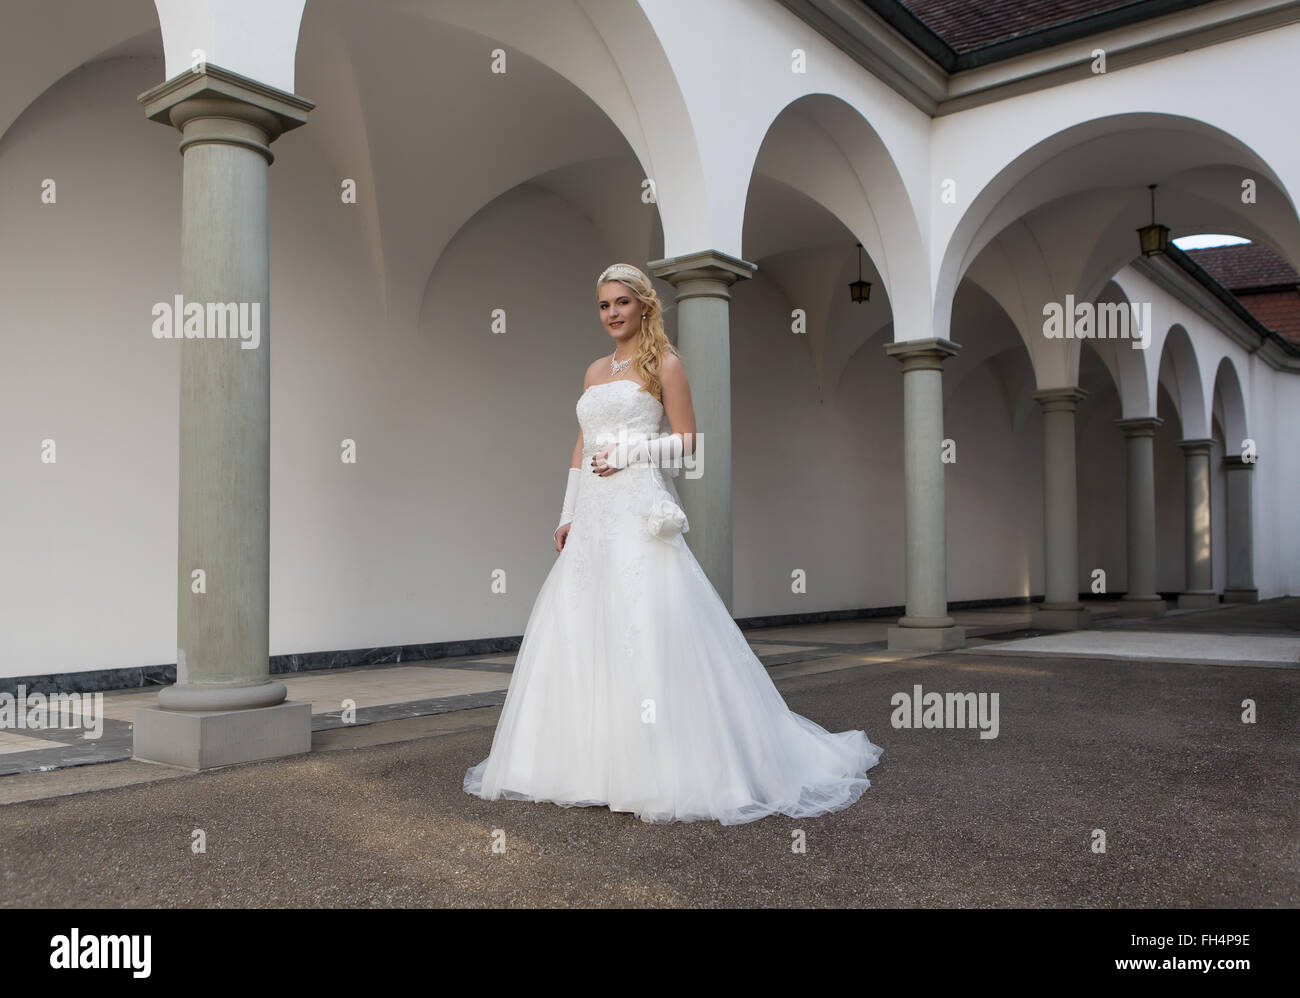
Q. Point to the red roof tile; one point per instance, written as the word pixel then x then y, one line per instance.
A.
pixel 1245 265
pixel 1278 310
pixel 971 24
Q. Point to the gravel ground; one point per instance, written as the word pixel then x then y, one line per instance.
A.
pixel 1198 809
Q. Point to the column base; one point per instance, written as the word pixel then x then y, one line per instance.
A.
pixel 1142 606
pixel 200 740
pixel 211 698
pixel 1197 600
pixel 926 638
pixel 1060 617
pixel 1241 596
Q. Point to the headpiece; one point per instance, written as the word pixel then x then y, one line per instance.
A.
pixel 619 271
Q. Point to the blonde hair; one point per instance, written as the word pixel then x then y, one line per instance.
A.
pixel 652 342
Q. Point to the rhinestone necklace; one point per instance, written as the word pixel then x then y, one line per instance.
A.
pixel 621 365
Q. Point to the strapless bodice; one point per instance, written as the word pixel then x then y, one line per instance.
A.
pixel 613 406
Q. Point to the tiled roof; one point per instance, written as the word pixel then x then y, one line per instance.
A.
pixel 1259 280
pixel 1278 310
pixel 972 24
pixel 1245 266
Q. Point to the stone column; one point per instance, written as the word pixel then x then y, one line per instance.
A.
pixel 1241 534
pixel 1141 600
pixel 1060 609
pixel 1198 586
pixel 224 707
pixel 701 281
pixel 926 624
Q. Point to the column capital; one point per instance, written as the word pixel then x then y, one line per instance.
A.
pixel 1063 399
pixel 221 106
pixel 1197 446
pixel 707 273
pixel 1235 462
pixel 922 355
pixel 1140 426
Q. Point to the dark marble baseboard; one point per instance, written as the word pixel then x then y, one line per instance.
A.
pixel 147 676
pixel 867 613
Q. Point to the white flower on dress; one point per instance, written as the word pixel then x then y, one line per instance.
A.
pixel 666 519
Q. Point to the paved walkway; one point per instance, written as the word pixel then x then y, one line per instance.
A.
pixel 1197 807
pixel 418 689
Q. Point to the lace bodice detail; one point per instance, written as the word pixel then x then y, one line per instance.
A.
pixel 605 409
pixel 610 512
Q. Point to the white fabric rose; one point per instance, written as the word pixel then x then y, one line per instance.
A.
pixel 665 519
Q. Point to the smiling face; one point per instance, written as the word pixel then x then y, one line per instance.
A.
pixel 620 310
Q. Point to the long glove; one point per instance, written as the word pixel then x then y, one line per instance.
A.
pixel 663 452
pixel 570 499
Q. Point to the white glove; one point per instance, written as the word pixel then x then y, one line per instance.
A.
pixel 663 452
pixel 570 499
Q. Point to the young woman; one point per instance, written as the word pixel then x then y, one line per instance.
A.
pixel 633 687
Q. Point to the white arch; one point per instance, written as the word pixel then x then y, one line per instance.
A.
pixel 613 54
pixel 37 50
pixel 820 149
pixel 608 114
pixel 735 95
pixel 1127 366
pixel 1114 158
pixel 1230 405
pixel 1179 372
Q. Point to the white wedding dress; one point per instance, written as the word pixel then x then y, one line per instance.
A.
pixel 634 688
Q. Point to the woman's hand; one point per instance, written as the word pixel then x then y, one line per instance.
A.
pixel 602 467
pixel 561 536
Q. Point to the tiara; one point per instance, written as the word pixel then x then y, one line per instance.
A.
pixel 620 270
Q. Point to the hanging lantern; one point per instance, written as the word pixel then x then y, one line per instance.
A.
pixel 860 290
pixel 1153 238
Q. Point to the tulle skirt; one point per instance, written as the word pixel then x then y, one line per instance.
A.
pixel 634 689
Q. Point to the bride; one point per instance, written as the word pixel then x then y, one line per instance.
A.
pixel 633 687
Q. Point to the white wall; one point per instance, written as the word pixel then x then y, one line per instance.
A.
pixel 87 577
pixel 463 436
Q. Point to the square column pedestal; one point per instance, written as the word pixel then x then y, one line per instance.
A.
pixel 204 739
pixel 925 638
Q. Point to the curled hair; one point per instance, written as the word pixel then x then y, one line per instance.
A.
pixel 652 342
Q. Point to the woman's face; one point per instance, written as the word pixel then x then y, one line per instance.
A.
pixel 620 310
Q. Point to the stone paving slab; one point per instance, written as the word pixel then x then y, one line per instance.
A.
pixel 380 694
pixel 413 689
pixel 1166 646
pixel 1274 616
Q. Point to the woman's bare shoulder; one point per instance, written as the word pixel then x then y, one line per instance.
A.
pixel 592 375
pixel 671 369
